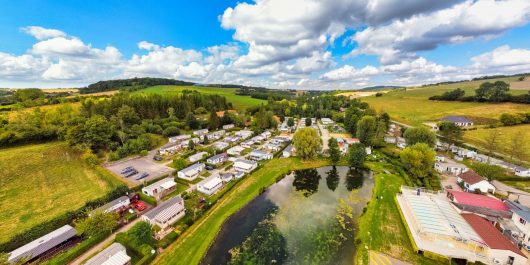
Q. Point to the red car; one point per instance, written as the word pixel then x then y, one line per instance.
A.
pixel 140 205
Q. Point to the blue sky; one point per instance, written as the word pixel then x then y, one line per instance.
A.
pixel 309 44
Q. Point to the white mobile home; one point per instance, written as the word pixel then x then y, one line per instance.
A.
pixel 210 185
pixel 235 151
pixel 245 165
pixel 217 159
pixel 166 213
pixel 192 172
pixel 259 155
pixel 115 254
pixel 160 188
pixel 196 157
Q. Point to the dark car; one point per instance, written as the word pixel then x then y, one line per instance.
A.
pixel 141 176
pixel 130 173
pixel 157 158
pixel 126 170
pixel 209 168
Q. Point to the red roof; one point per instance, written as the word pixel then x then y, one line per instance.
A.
pixel 478 200
pixel 491 236
pixel 471 177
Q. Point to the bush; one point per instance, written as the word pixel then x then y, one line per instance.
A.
pixel 144 153
pixel 147 198
pixel 171 131
pixel 89 158
pixel 168 239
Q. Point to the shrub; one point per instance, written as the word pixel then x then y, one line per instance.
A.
pixel 89 158
pixel 144 153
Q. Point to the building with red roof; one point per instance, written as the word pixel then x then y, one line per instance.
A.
pixel 499 249
pixel 478 203
pixel 472 182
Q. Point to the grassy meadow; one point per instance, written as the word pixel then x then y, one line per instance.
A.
pixel 42 181
pixel 240 102
pixel 506 134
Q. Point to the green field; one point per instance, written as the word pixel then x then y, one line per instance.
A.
pixel 42 181
pixel 506 134
pixel 240 103
pixel 412 106
pixel 193 244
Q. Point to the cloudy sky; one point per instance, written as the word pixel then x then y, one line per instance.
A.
pixel 304 44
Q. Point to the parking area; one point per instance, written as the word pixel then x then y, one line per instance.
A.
pixel 141 164
pixel 448 180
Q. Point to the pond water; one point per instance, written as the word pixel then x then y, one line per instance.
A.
pixel 306 218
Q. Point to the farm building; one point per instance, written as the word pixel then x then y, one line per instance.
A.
pixel 499 250
pixel 480 204
pixel 179 138
pixel 210 185
pixel 200 132
pixel 228 126
pixel 192 172
pixel 259 155
pixel 160 188
pixel 458 120
pixel 473 181
pixel 166 213
pixel 36 248
pixel 115 205
pixel 245 165
pixel 115 254
pixel 220 145
pixel 235 151
pixel 217 159
pixel 288 151
pixel 196 157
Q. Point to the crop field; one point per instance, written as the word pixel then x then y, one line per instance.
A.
pixel 42 181
pixel 412 106
pixel 240 103
pixel 506 134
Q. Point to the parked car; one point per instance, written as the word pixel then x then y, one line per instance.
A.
pixel 130 173
pixel 126 170
pixel 140 205
pixel 209 167
pixel 141 176
pixel 157 158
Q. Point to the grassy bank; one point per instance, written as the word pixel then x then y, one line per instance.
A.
pixel 240 103
pixel 380 227
pixel 42 181
pixel 193 244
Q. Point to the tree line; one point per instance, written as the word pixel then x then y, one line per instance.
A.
pixel 487 92
pixel 131 84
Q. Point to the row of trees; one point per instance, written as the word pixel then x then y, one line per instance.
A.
pixel 134 83
pixel 487 92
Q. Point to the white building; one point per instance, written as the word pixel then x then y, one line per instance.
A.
pixel 226 177
pixel 210 185
pixel 197 157
pixel 390 139
pixel 160 188
pixel 272 147
pixel 179 138
pixel 247 144
pixel 326 121
pixel 235 151
pixel 522 171
pixel 170 148
pixel 216 135
pixel 217 159
pixel 245 165
pixel 166 213
pixel 232 139
pixel 266 134
pixel 259 155
pixel 228 126
pixel 244 134
pixel 288 151
pixel 115 254
pixel 115 205
pixel 220 145
pixel 521 219
pixel 473 181
pixel 200 132
pixel 192 172
pixel 450 167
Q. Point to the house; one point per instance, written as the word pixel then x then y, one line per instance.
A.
pixel 326 121
pixel 216 135
pixel 458 120
pixel 499 250
pixel 160 188
pixel 197 157
pixel 116 205
pixel 115 254
pixel 259 155
pixel 200 132
pixel 210 185
pixel 272 147
pixel 239 174
pixel 220 145
pixel 390 139
pixel 170 148
pixel 479 204
pixel 235 151
pixel 179 138
pixel 473 181
pixel 450 167
pixel 288 151
pixel 522 171
pixel 192 172
pixel 40 246
pixel 245 165
pixel 521 219
pixel 166 213
pixel 228 126
pixel 266 134
pixel 244 134
pixel 226 177
pixel 217 159
pixel 247 144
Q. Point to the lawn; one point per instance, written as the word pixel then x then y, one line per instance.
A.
pixel 479 137
pixel 380 228
pixel 42 181
pixel 193 244
pixel 412 106
pixel 240 103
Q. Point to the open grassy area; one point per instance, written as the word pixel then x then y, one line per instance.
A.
pixel 240 102
pixel 194 243
pixel 42 181
pixel 412 106
pixel 380 228
pixel 506 134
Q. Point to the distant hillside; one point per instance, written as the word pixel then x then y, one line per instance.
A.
pixel 378 88
pixel 131 84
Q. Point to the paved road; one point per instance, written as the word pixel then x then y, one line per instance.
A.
pixel 99 247
pixel 325 136
pixel 523 196
pixel 377 258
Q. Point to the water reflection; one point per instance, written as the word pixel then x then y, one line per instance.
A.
pixel 333 179
pixel 306 181
pixel 354 179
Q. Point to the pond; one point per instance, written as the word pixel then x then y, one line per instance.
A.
pixel 308 217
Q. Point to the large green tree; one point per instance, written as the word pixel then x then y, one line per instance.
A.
pixel 97 224
pixel 451 132
pixel 495 92
pixel 334 152
pixel 366 130
pixel 418 160
pixel 215 122
pixel 422 134
pixel 307 143
pixel 356 155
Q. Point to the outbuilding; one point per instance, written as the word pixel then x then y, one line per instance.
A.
pixel 115 254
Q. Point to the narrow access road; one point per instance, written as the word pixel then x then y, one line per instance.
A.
pixel 522 196
pixel 324 135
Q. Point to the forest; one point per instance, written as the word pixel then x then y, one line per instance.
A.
pixel 130 84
